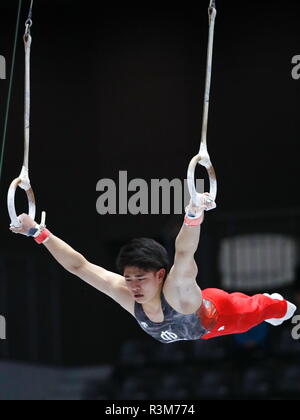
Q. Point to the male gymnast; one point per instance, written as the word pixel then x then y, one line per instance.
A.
pixel 166 301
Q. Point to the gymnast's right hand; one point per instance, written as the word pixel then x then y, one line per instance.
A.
pixel 27 223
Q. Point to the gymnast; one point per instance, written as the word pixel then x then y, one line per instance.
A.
pixel 167 303
pixel 166 300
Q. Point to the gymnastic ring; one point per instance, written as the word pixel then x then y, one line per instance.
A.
pixel 203 160
pixel 11 202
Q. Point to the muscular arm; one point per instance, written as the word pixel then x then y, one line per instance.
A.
pixel 185 270
pixel 187 240
pixel 112 284
pixel 66 256
pixel 103 280
pixel 181 288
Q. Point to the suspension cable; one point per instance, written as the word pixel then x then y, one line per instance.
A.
pixel 203 157
pixel 10 88
pixel 23 180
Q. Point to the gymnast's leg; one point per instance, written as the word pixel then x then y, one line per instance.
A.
pixel 238 313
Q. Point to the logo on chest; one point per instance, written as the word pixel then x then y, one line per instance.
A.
pixel 169 336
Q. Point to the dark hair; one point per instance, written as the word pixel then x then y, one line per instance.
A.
pixel 143 253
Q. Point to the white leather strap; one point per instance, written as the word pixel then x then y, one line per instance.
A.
pixel 203 157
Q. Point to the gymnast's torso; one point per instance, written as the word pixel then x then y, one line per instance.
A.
pixel 174 327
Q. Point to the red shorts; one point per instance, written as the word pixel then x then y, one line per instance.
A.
pixel 235 313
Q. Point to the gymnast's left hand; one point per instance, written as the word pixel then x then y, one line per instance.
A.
pixel 26 224
pixel 206 203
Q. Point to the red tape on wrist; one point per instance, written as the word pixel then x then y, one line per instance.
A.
pixel 194 222
pixel 43 237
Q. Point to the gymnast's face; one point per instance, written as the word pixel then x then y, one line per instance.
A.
pixel 144 285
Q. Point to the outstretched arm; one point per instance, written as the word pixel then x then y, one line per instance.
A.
pixel 65 255
pixel 181 287
pixel 112 284
pixel 187 240
pixel 70 259
pixel 103 280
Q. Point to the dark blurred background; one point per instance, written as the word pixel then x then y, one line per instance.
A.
pixel 121 88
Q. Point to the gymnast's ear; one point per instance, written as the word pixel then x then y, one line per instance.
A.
pixel 161 275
